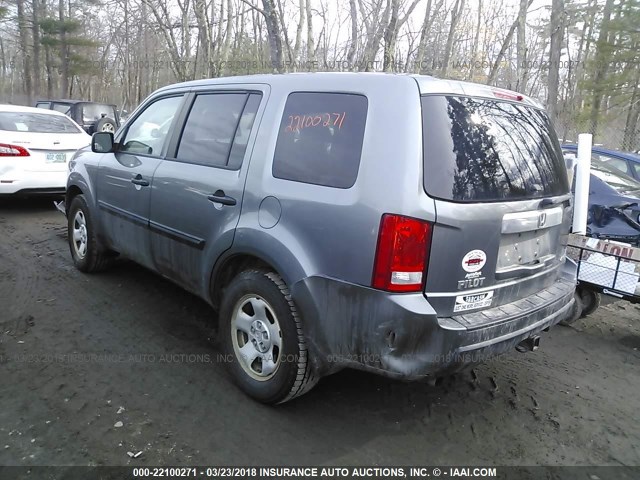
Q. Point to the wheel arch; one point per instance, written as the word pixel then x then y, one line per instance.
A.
pixel 271 256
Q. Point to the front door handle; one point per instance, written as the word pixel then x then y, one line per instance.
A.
pixel 220 197
pixel 138 180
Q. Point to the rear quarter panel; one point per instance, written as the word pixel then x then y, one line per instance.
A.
pixel 331 231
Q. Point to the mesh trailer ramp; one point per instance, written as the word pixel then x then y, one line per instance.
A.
pixel 605 267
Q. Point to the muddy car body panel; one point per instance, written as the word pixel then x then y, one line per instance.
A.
pixel 324 227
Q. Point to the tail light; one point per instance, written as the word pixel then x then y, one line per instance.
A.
pixel 402 254
pixel 7 150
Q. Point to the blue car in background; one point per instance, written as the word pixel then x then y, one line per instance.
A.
pixel 627 163
pixel 614 207
pixel 614 196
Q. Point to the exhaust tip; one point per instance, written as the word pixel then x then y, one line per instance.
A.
pixel 530 344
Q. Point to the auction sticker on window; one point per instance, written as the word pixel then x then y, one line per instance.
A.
pixel 471 302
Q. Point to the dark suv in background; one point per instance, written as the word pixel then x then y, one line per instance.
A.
pixel 91 116
pixel 401 224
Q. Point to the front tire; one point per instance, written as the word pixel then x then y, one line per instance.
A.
pixel 261 332
pixel 87 254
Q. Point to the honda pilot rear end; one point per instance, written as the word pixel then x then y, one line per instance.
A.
pixel 470 260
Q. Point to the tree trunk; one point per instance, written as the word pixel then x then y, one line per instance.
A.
pixel 296 47
pixel 390 37
pixel 311 51
pixel 64 52
pixel 455 18
pixel 521 44
pixel 555 49
pixel 353 46
pixel 493 72
pixel 35 31
pixel 24 46
pixel 602 52
pixel 391 33
pixel 476 41
pixel 273 32
pixel 424 36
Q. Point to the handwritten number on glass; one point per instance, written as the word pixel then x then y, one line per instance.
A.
pixel 299 122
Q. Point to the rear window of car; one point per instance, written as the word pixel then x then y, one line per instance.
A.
pixel 92 112
pixel 621 183
pixel 483 150
pixel 36 123
pixel 320 139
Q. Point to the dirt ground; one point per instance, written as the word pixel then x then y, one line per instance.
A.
pixel 95 366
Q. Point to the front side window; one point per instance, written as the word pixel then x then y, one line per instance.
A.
pixel 211 127
pixel 147 133
pixel 485 150
pixel 320 139
pixel 36 123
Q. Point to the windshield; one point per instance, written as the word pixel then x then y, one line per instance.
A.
pixel 483 150
pixel 36 123
pixel 613 177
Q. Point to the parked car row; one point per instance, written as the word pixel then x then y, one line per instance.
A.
pixel 35 147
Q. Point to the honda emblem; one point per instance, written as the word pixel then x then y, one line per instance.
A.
pixel 542 220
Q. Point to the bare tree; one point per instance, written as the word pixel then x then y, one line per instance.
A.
pixel 555 50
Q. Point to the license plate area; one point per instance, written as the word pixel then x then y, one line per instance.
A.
pixel 526 248
pixel 56 157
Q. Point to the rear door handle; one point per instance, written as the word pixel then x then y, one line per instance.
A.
pixel 138 180
pixel 220 197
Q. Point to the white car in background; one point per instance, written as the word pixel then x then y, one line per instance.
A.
pixel 35 147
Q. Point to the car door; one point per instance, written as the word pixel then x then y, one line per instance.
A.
pixel 197 194
pixel 125 177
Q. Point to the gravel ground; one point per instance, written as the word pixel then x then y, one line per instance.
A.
pixel 95 366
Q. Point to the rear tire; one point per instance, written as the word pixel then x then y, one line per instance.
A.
pixel 262 338
pixel 576 311
pixel 590 301
pixel 87 254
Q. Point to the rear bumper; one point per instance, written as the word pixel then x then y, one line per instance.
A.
pixel 33 183
pixel 401 336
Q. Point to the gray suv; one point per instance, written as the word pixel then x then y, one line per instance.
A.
pixel 404 225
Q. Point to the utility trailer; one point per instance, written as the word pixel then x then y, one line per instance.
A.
pixel 605 267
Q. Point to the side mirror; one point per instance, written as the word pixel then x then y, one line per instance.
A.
pixel 102 142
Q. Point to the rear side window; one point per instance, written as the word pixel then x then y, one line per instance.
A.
pixel 481 150
pixel 320 139
pixel 36 123
pixel 211 127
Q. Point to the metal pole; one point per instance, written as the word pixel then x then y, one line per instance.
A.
pixel 583 169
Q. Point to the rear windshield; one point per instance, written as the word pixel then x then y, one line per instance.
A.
pixel 481 150
pixel 95 111
pixel 36 123
pixel 613 177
